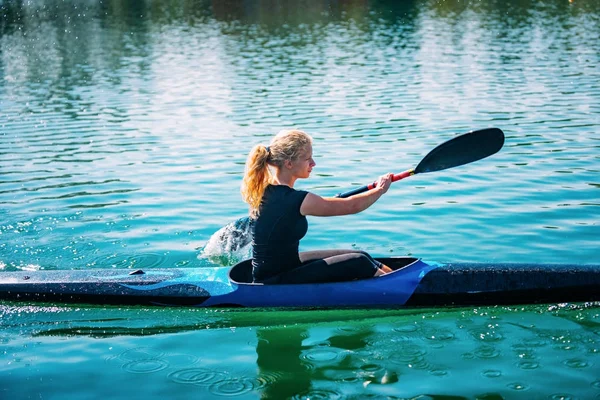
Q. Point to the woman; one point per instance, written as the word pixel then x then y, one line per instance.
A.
pixel 279 213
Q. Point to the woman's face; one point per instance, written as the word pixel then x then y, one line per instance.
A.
pixel 303 165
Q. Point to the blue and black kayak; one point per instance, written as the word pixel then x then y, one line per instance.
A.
pixel 413 283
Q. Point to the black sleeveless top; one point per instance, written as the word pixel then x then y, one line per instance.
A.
pixel 277 231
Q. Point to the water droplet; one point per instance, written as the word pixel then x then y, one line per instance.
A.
pixel 576 363
pixel 439 335
pixel 517 386
pixel 492 373
pixel 562 396
pixel 528 365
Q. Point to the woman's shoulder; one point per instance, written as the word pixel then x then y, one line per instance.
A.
pixel 284 193
pixel 284 189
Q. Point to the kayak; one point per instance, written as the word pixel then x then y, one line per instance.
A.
pixel 413 283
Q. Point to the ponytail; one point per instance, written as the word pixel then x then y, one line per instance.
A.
pixel 256 178
pixel 286 145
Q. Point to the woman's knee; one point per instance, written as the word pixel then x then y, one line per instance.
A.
pixel 361 262
pixel 344 258
pixel 365 257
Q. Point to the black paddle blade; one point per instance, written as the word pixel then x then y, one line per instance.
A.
pixel 462 149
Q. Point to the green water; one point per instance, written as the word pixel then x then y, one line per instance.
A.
pixel 124 127
pixel 486 353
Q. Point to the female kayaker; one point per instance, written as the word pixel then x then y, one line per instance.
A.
pixel 279 216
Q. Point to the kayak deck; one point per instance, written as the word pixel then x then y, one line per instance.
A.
pixel 413 283
pixel 504 284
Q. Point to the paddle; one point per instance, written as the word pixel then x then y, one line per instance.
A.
pixel 460 150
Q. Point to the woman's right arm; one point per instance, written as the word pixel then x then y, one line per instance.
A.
pixel 325 207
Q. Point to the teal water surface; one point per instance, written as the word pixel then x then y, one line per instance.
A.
pixel 124 128
pixel 548 352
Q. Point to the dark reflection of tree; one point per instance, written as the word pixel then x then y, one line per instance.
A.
pixel 275 13
pixel 100 35
pixel 281 18
pixel 11 17
pixel 279 351
pixel 68 45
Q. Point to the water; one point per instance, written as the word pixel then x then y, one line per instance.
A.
pixel 124 127
pixel 485 353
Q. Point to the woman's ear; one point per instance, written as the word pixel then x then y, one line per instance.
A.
pixel 287 164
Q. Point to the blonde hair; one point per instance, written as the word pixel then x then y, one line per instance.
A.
pixel 286 145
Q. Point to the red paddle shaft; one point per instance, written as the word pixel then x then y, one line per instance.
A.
pixel 396 177
pixel 373 185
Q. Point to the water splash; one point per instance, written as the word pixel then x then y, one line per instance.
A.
pixel 230 244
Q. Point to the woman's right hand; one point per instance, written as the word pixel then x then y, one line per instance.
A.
pixel 384 182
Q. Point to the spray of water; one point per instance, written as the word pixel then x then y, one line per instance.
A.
pixel 230 244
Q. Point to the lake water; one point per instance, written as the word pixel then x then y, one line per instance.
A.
pixel 124 128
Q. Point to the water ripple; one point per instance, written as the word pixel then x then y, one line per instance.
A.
pixel 232 387
pixel 318 394
pixel 197 376
pixel 145 366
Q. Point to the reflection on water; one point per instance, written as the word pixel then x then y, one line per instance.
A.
pixel 279 362
pixel 467 353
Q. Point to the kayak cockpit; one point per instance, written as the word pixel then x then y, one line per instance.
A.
pixel 241 273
